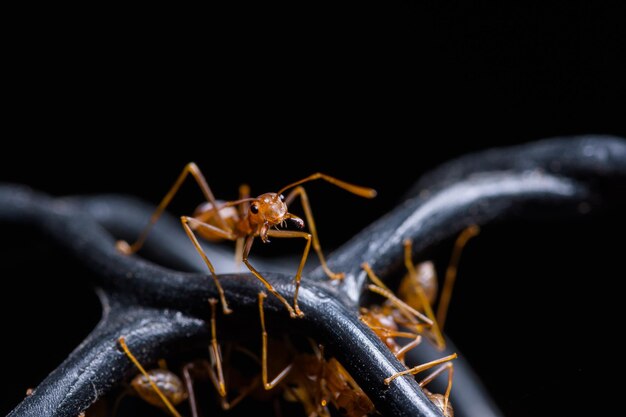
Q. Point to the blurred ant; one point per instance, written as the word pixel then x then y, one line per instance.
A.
pixel 441 401
pixel 317 381
pixel 309 378
pixel 218 221
pixel 158 387
pixel 416 293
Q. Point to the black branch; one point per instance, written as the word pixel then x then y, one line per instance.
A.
pixel 163 311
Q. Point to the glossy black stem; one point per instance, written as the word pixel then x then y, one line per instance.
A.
pixel 162 310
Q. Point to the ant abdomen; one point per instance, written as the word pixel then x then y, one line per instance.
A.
pixel 439 401
pixel 426 278
pixel 168 382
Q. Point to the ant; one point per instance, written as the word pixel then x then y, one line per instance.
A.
pixel 158 387
pixel 417 292
pixel 261 217
pixel 441 401
pixel 310 379
pixel 327 380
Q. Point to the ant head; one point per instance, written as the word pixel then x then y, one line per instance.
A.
pixel 269 208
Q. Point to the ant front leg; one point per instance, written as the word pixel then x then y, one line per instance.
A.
pixel 190 168
pixel 304 199
pixel 293 234
pixel 270 287
pixel 186 221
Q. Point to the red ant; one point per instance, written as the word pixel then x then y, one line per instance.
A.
pixel 159 387
pixel 417 291
pixel 218 221
pixel 310 379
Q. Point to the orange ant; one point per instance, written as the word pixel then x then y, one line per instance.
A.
pixel 218 221
pixel 441 401
pixel 158 387
pixel 309 379
pixel 319 381
pixel 417 292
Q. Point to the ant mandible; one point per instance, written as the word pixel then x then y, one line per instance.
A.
pixel 218 221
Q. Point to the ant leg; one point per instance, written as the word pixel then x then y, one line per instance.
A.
pixel 268 385
pixel 244 193
pixel 270 287
pixel 380 288
pixel 216 371
pixel 304 199
pixel 239 252
pixel 293 234
pixel 154 386
pixel 420 368
pixel 226 235
pixel 446 367
pixel 406 348
pixel 217 374
pixel 354 189
pixel 440 342
pixel 193 404
pixel 385 332
pixel 446 292
pixel 190 168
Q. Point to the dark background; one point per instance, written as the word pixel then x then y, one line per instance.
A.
pixel 278 95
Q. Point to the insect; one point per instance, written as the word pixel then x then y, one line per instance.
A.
pixel 309 379
pixel 318 381
pixel 441 401
pixel 416 293
pixel 245 219
pixel 159 387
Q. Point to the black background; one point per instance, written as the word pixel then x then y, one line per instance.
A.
pixel 278 96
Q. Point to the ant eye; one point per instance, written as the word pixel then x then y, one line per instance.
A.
pixel 282 197
pixel 254 208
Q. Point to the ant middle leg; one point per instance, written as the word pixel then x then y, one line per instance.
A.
pixel 304 199
pixel 186 221
pixel 190 168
